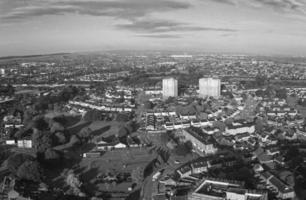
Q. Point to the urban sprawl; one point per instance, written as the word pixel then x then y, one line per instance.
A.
pixel 152 125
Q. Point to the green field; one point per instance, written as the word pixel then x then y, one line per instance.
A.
pixel 125 160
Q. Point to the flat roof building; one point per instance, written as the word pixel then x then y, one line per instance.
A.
pixel 220 189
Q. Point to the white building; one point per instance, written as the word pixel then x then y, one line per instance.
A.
pixel 209 87
pixel 239 128
pixel 220 189
pixel 199 141
pixel 170 88
pixel 2 72
pixel 283 190
pixel 26 143
pixel 153 92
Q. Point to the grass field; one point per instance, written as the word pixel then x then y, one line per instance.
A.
pixel 125 160
pixel 114 127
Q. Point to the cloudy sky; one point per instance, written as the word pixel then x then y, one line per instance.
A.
pixel 234 26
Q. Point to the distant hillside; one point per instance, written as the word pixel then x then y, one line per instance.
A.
pixel 32 56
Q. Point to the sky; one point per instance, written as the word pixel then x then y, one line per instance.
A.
pixel 265 27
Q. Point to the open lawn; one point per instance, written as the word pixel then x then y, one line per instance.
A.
pixel 53 114
pixel 114 127
pixel 124 160
pixel 96 125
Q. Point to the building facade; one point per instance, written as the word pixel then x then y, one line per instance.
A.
pixel 220 189
pixel 200 143
pixel 209 87
pixel 170 88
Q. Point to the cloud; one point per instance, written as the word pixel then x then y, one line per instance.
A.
pixel 229 2
pixel 21 14
pixel 166 36
pixel 161 26
pixel 114 8
pixel 150 25
pixel 282 5
pixel 136 13
pixel 278 5
pixel 227 34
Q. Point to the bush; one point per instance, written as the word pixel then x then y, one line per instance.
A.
pixel 56 126
pixel 51 155
pixel 16 160
pixel 121 117
pixel 29 170
pixel 40 124
pixel 60 138
pixel 92 115
pixel 123 131
pixel 148 105
pixel 42 140
pixel 85 133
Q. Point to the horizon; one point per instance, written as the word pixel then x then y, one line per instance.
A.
pixel 172 52
pixel 253 27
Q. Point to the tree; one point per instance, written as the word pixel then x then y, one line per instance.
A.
pixel 259 124
pixel 29 170
pixel 92 115
pixel 293 157
pixel 281 93
pixel 183 149
pixel 68 93
pixel 133 126
pixel 302 102
pixel 291 153
pixel 51 155
pixel 137 175
pixel 121 99
pixel 16 160
pixel 85 133
pixel 130 127
pixel 42 140
pixel 8 90
pixel 170 100
pixel 40 124
pixel 244 96
pixel 60 137
pixel 260 80
pixel 4 153
pixel 41 104
pixel 260 93
pixel 22 132
pixel 27 116
pixel 148 105
pixel 189 146
pixel 220 125
pixel 270 91
pixel 123 131
pixel 11 132
pixel 56 126
pixel 67 121
pixel 122 117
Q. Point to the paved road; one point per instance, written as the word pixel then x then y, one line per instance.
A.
pixel 146 191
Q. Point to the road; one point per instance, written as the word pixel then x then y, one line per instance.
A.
pixel 146 190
